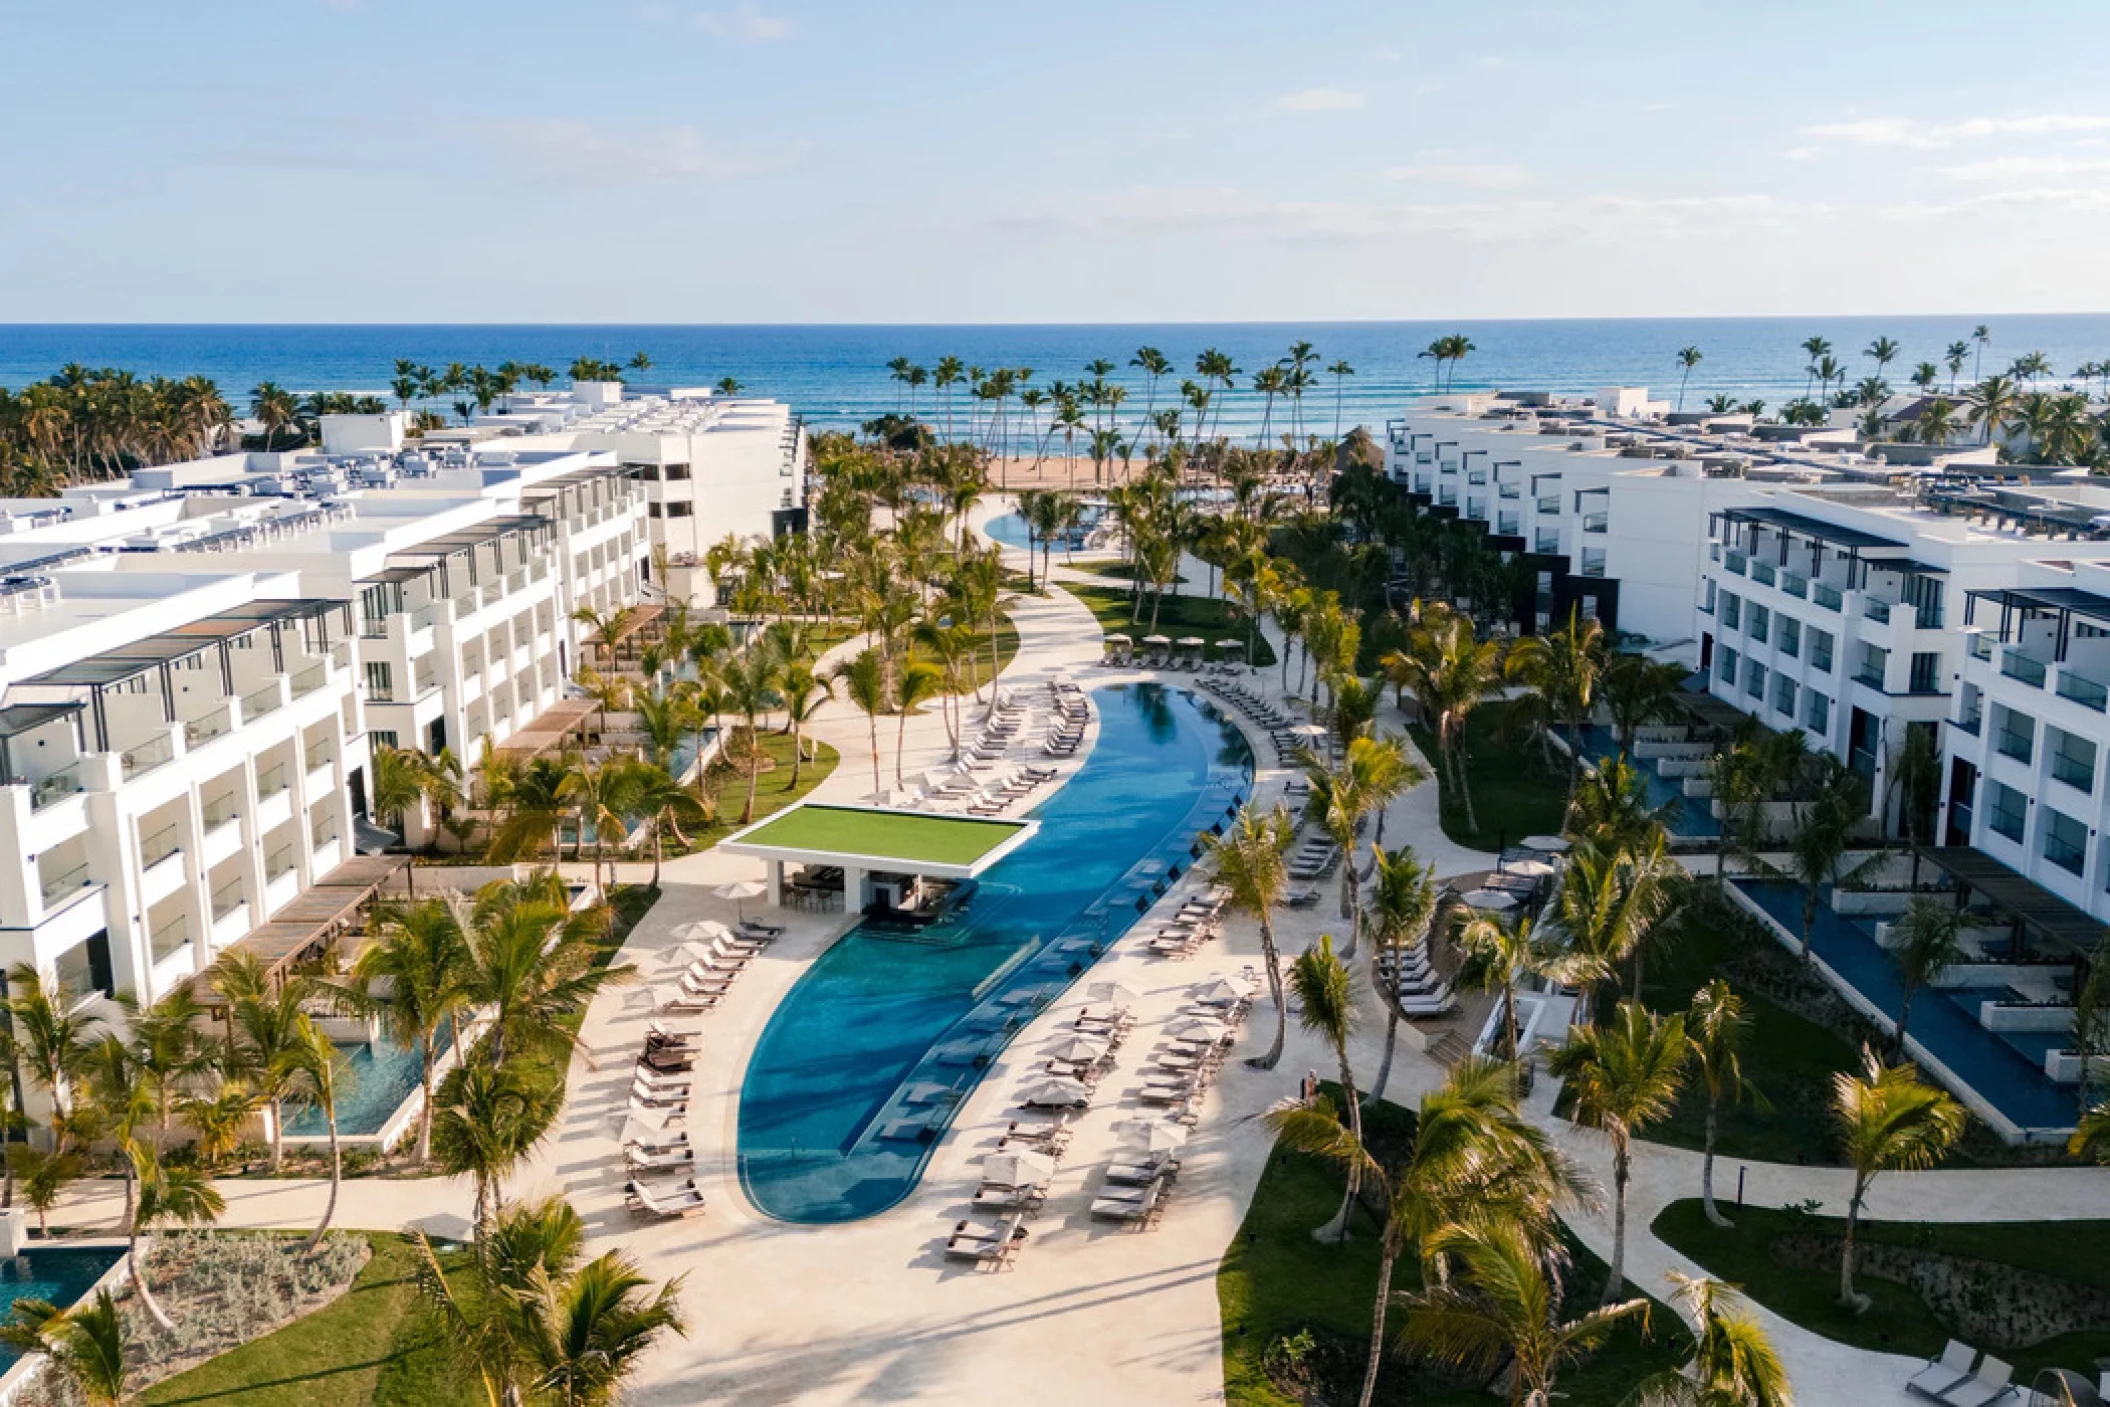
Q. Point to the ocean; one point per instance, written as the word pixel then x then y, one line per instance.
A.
pixel 836 376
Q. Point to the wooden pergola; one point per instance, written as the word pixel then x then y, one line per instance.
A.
pixel 2028 905
pixel 550 728
pixel 322 913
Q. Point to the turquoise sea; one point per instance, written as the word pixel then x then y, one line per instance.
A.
pixel 837 375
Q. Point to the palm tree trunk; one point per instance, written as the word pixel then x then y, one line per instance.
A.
pixel 1622 1172
pixel 425 1114
pixel 1707 1170
pixel 873 720
pixel 1384 1068
pixel 329 1208
pixel 1274 986
pixel 1339 1225
pixel 278 1134
pixel 139 1283
pixel 1385 1262
pixel 1904 1016
pixel 1847 1298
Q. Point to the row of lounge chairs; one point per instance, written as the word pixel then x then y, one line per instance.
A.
pixel 1072 714
pixel 1417 987
pixel 705 979
pixel 1314 858
pixel 1007 719
pixel 1279 726
pixel 659 1093
pixel 1963 1379
pixel 1191 925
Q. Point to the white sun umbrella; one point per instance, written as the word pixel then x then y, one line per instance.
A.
pixel 643 1127
pixel 705 928
pixel 1112 993
pixel 1530 869
pixel 1207 1026
pixel 1310 730
pixel 1545 844
pixel 1191 642
pixel 1054 1093
pixel 1219 991
pixel 1157 640
pixel 739 891
pixel 1490 900
pixel 1017 1169
pixel 1077 1048
pixel 1152 1135
pixel 937 778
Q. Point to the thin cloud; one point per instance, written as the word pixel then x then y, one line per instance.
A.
pixel 2010 168
pixel 2034 199
pixel 1493 176
pixel 1321 100
pixel 604 156
pixel 744 23
pixel 1919 135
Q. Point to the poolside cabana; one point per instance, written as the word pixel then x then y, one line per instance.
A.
pixel 1188 650
pixel 1231 651
pixel 1157 647
pixel 1119 648
pixel 869 841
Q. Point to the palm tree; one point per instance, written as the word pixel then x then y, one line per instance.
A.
pixel 1402 901
pixel 751 690
pixel 492 1116
pixel 167 1051
pixel 1340 371
pixel 864 683
pixel 87 1342
pixel 318 1070
pixel 1639 691
pixel 418 954
pixel 1954 357
pixel 651 795
pixel 1472 1154
pixel 1450 673
pixel 1507 1305
pixel 1928 941
pixel 1821 838
pixel 51 1039
pixel 1501 954
pixel 1717 1027
pixel 401 782
pixel 920 682
pixel 1560 673
pixel 264 1033
pixel 1373 773
pixel 1611 807
pixel 1887 1120
pixel 1733 1363
pixel 1325 991
pixel 1992 405
pixel 166 1194
pixel 1688 358
pixel 45 1176
pixel 1248 862
pixel 1622 1077
pixel 531 965
pixel 1613 901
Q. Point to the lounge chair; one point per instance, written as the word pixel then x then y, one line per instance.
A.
pixel 654 1079
pixel 667 1062
pixel 1951 1370
pixel 663 1142
pixel 646 1097
pixel 683 1199
pixel 1988 1385
pixel 993 1246
pixel 994 1197
pixel 1134 1210
pixel 1142 1174
pixel 671 1160
pixel 685 1003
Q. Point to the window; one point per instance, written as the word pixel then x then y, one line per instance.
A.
pixel 652 510
pixel 2065 841
pixel 676 473
pixel 2008 813
pixel 648 472
pixel 380 683
pixel 2018 735
pixel 1761 623
pixel 85 967
pixel 2072 759
pixel 1790 642
pixel 1821 649
pixel 1875 666
pixel 681 510
pixel 383 737
pixel 1926 673
pixel 1754 679
pixel 1709 607
pixel 1732 610
pixel 1726 663
pixel 1817 713
pixel 1784 695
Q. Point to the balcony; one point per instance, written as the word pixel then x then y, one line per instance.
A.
pixel 309 680
pixel 147 756
pixel 1970 725
pixel 1596 522
pixel 59 888
pixel 1827 596
pixel 1763 573
pixel 268 699
pixel 2020 746
pixel 2016 665
pixel 57 787
pixel 1796 585
pixel 1982 646
pixel 2073 772
pixel 1736 562
pixel 2085 692
pixel 155 848
pixel 226 900
pixel 1870 676
pixel 200 731
pixel 1875 610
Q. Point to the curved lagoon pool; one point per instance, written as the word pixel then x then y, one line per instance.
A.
pixel 860 1069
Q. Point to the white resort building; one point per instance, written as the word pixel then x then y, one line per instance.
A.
pixel 197 664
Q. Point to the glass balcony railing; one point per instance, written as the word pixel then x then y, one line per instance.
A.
pixel 226 899
pixel 424 617
pixel 1795 584
pixel 309 680
pixel 159 846
pixel 220 810
pixel 1969 725
pixel 262 702
pixel 203 730
pixel 58 888
pixel 1981 646
pixel 1736 562
pixel 373 629
pixel 56 787
pixel 1826 596
pixel 170 936
pixel 2019 746
pixel 2020 666
pixel 1870 676
pixel 2074 773
pixel 147 756
pixel 1876 610
pixel 2085 692
pixel 2007 823
pixel 1763 573
pixel 272 782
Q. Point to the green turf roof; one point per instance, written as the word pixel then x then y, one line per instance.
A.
pixel 898 835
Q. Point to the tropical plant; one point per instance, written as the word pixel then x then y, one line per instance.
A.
pixel 1887 1120
pixel 264 1043
pixel 1560 672
pixel 51 1037
pixel 1688 358
pixel 1927 940
pixel 919 682
pixel 531 965
pixel 1402 902
pixel 412 974
pixel 1506 1303
pixel 167 1194
pixel 1622 1077
pixel 863 679
pixel 1248 860
pixel 1717 1026
pixel 1821 840
pixel 1450 673
pixel 1501 954
pixel 1639 691
pixel 1613 902
pixel 1733 1362
pixel 87 1342
pixel 490 1118
pixel 1325 992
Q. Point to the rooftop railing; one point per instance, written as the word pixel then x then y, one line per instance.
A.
pixel 2016 665
pixel 2083 691
pixel 154 752
pixel 57 787
pixel 1826 596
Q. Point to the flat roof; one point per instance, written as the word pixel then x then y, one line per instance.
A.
pixel 882 837
pixel 1803 525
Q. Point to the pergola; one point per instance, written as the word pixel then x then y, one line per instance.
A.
pixel 2021 605
pixel 864 840
pixel 322 913
pixel 2031 907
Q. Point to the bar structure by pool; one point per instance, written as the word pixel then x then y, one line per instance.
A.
pixel 865 840
pixel 862 1065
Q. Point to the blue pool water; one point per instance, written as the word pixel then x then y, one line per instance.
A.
pixel 2007 1069
pixel 1689 817
pixel 1011 530
pixel 60 1276
pixel 859 1069
pixel 373 1080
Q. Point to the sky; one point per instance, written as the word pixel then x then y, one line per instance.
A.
pixel 963 161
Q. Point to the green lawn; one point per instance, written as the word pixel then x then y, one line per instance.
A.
pixel 773 790
pixel 1899 1321
pixel 824 637
pixel 369 1346
pixel 1276 1281
pixel 1514 794
pixel 845 830
pixel 1180 615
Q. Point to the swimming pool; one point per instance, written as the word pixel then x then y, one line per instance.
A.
pixel 59 1275
pixel 1690 818
pixel 863 1063
pixel 373 1080
pixel 1011 530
